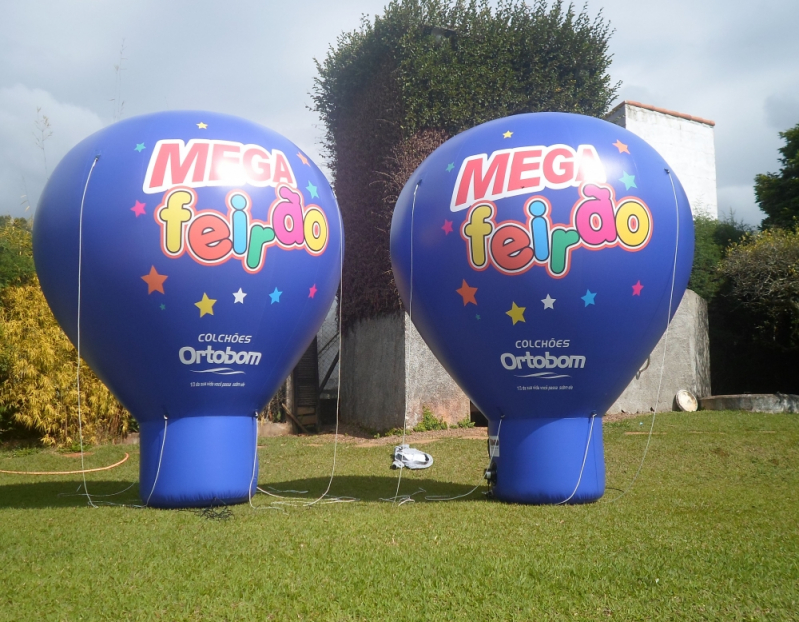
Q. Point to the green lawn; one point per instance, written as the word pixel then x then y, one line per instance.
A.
pixel 709 532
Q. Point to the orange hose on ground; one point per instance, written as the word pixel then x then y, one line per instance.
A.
pixel 105 468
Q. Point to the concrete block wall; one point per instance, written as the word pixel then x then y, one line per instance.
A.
pixel 428 383
pixel 373 373
pixel 387 368
pixel 687 362
pixel 377 386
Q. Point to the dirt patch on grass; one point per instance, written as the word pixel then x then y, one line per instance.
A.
pixel 361 438
pixel 357 436
pixel 613 418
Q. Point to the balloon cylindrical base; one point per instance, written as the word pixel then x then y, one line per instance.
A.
pixel 541 460
pixel 202 461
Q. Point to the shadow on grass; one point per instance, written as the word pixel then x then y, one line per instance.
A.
pixel 64 493
pixel 372 488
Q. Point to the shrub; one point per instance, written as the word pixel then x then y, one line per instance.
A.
pixel 429 422
pixel 16 255
pixel 712 239
pixel 38 388
pixel 763 272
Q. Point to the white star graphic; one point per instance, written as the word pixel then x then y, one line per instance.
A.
pixel 239 296
pixel 549 302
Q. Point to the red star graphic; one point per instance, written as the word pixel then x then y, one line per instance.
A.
pixel 447 227
pixel 637 288
pixel 621 146
pixel 303 159
pixel 155 281
pixel 467 293
pixel 138 209
pixel 312 291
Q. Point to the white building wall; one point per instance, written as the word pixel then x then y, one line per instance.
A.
pixel 685 142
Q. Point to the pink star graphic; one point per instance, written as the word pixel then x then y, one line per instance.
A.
pixel 447 227
pixel 312 291
pixel 138 209
pixel 637 288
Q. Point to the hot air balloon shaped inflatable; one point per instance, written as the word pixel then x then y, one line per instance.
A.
pixel 541 256
pixel 192 256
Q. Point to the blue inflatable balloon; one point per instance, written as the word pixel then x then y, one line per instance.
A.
pixel 193 256
pixel 540 256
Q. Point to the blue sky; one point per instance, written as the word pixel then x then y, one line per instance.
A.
pixel 730 61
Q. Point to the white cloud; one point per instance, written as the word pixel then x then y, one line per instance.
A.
pixel 782 110
pixel 22 161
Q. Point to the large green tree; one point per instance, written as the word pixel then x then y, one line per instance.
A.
pixel 778 193
pixel 396 88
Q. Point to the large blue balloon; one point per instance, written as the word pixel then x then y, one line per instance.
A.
pixel 206 252
pixel 545 251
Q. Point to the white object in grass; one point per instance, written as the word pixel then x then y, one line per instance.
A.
pixel 409 458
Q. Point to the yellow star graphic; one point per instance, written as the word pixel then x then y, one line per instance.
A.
pixel 516 313
pixel 507 134
pixel 206 305
pixel 202 125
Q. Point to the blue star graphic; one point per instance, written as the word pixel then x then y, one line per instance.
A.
pixel 589 297
pixel 312 189
pixel 139 147
pixel 450 166
pixel 275 295
pixel 628 180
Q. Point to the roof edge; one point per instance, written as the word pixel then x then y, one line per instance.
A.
pixel 672 113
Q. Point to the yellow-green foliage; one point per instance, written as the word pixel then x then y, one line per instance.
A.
pixel 16 253
pixel 40 375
